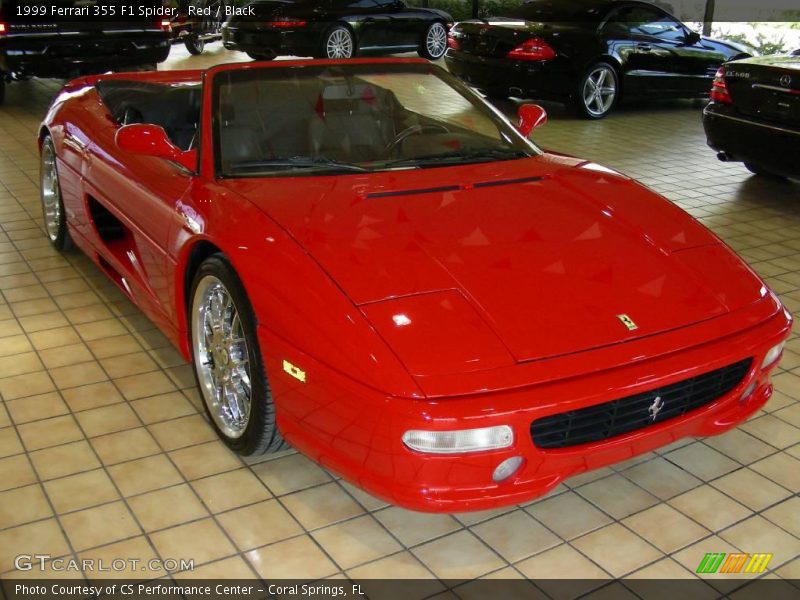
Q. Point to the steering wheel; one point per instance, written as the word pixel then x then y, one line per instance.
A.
pixel 413 130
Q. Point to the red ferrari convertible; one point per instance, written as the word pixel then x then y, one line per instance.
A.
pixel 365 260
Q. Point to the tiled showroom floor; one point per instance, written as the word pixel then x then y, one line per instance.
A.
pixel 105 452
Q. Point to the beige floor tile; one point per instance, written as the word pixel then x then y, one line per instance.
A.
pixel 29 384
pixel 617 496
pixel 78 375
pixel 757 534
pixel 144 475
pixel 786 515
pixel 15 344
pixel 125 445
pixel 230 490
pixel 182 432
pixel 560 564
pixel 702 461
pixel 128 364
pixel 63 356
pixel 290 474
pixel 458 555
pixel 322 505
pixel 691 556
pixel 107 419
pixel 365 499
pixel 402 565
pixel 662 478
pixel 145 384
pixel 709 507
pixel 773 431
pixel 16 471
pixel 740 446
pixel 568 515
pixel 782 469
pixel 87 314
pixel 114 346
pixel 76 299
pixel 23 505
pixel 234 567
pixel 297 558
pixel 63 460
pixel 630 551
pixel 41 537
pixel 100 329
pixel 54 338
pixel 91 396
pixel 43 322
pixel 515 535
pixel 356 541
pixel 201 540
pixel 137 548
pixel 259 524
pixel 48 432
pixel 9 327
pixel 751 489
pixel 163 407
pixel 9 442
pixel 34 307
pixel 666 568
pixel 19 364
pixel 99 525
pixel 666 528
pixel 33 408
pixel 479 516
pixel 412 527
pixel 167 507
pixel 206 459
pixel 80 491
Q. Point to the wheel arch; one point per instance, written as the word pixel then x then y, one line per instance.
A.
pixel 615 64
pixel 198 251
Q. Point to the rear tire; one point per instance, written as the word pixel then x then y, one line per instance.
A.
pixel 761 171
pixel 433 44
pixel 597 91
pixel 55 220
pixel 194 45
pixel 227 361
pixel 338 43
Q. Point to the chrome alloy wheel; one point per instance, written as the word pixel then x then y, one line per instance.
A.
pixel 50 192
pixel 339 44
pixel 600 90
pixel 436 40
pixel 221 356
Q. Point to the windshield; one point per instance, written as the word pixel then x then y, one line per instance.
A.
pixel 353 118
pixel 576 11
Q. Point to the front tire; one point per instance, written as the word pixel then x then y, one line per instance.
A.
pixel 227 359
pixel 260 56
pixel 597 92
pixel 55 221
pixel 338 43
pixel 434 42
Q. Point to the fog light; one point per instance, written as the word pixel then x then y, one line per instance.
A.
pixel 507 468
pixel 772 355
pixel 747 393
pixel 463 440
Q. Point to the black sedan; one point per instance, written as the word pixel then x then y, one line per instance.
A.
pixel 586 52
pixel 754 114
pixel 336 29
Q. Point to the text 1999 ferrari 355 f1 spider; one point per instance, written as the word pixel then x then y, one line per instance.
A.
pixel 366 260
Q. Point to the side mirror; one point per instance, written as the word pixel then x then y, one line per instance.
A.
pixel 530 116
pixel 152 140
pixel 691 37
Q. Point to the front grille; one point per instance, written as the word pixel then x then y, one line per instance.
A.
pixel 610 419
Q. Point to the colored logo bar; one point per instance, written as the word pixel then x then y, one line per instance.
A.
pixel 735 562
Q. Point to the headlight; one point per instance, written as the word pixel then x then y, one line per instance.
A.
pixel 463 440
pixel 772 355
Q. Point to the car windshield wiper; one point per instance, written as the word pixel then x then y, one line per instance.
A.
pixel 457 156
pixel 296 162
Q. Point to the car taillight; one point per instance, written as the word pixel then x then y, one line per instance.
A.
pixel 3 28
pixel 533 49
pixel 287 24
pixel 719 89
pixel 165 25
pixel 453 43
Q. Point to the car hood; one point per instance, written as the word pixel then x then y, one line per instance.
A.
pixel 548 251
pixel 780 61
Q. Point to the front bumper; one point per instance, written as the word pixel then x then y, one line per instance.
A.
pixel 274 42
pixel 771 145
pixel 357 432
pixel 550 80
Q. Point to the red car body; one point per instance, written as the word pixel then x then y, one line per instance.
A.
pixel 514 276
